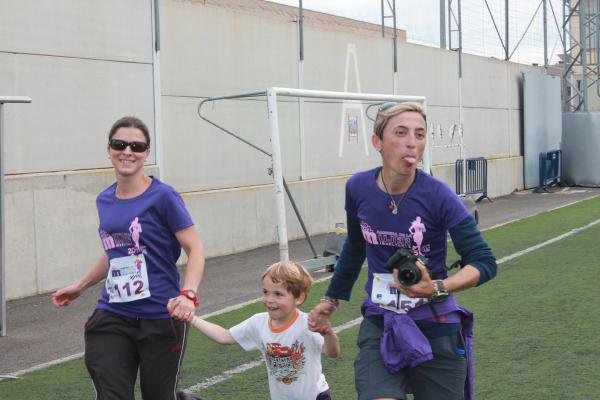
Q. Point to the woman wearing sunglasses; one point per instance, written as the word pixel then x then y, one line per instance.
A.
pixel 413 334
pixel 140 320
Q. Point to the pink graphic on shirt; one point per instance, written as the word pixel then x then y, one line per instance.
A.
pixel 413 239
pixel 135 229
pixel 368 234
pixel 417 229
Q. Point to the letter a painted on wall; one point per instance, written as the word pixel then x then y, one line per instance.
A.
pixel 352 104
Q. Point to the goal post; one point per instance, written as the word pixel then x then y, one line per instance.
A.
pixel 4 100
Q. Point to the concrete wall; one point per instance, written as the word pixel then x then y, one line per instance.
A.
pixel 84 64
pixel 84 69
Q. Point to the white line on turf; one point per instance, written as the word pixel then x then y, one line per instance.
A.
pixel 46 364
pixel 223 376
pixel 547 242
pixel 541 212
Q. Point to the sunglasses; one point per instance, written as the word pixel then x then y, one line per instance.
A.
pixel 120 145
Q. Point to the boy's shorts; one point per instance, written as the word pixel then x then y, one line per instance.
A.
pixel 443 377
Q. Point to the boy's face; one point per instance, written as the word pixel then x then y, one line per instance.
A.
pixel 278 301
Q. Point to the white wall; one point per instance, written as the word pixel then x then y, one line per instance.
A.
pixel 85 64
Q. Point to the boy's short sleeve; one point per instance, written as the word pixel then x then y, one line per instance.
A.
pixel 318 341
pixel 246 333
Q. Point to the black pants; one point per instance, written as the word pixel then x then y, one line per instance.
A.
pixel 116 347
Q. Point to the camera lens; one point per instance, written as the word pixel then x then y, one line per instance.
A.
pixel 406 264
pixel 409 275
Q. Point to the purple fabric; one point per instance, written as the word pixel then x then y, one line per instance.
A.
pixel 404 345
pixel 158 214
pixel 467 321
pixel 424 312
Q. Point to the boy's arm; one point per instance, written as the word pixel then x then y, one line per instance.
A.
pixel 332 342
pixel 212 331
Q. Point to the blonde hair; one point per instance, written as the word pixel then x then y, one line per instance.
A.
pixel 389 110
pixel 294 277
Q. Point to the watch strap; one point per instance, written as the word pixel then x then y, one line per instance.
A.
pixel 439 291
pixel 190 294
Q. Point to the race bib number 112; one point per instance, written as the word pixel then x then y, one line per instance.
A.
pixel 127 279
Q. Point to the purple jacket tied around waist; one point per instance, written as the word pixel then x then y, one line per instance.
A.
pixel 404 345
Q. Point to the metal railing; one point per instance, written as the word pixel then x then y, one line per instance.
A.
pixel 476 177
pixel 550 169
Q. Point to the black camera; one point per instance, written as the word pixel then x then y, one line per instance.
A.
pixel 406 264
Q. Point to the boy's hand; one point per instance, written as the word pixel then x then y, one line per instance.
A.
pixel 324 329
pixel 318 318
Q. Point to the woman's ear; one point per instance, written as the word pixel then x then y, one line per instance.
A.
pixel 376 141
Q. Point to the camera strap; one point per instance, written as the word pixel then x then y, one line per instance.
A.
pixel 434 312
pixel 456 264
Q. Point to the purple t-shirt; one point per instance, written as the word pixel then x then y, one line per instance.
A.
pixel 425 213
pixel 144 225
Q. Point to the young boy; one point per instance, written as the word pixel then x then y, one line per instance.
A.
pixel 292 353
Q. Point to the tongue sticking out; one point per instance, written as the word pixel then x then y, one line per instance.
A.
pixel 410 159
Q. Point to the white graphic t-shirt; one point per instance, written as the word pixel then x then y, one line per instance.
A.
pixel 292 355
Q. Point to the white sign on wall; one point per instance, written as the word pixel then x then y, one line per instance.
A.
pixel 348 105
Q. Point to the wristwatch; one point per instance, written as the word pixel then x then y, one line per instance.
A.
pixel 190 294
pixel 439 292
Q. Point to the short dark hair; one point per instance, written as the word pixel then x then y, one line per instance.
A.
pixel 129 122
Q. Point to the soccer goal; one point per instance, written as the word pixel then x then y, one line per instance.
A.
pixel 272 95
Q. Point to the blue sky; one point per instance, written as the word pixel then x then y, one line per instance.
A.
pixel 420 18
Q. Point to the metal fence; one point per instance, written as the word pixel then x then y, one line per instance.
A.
pixel 476 177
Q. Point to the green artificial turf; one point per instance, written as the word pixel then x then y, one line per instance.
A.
pixel 536 329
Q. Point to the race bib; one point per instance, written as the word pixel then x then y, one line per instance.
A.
pixel 127 279
pixel 386 295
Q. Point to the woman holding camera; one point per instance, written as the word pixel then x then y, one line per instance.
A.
pixel 413 334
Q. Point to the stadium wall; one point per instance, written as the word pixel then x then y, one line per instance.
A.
pixel 85 64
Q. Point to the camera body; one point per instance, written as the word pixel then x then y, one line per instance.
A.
pixel 406 264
